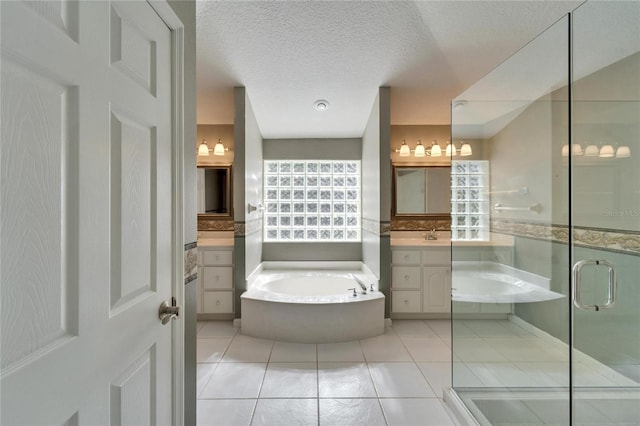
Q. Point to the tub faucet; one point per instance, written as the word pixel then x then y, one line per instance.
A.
pixel 432 235
pixel 360 283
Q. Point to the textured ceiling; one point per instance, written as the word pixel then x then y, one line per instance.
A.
pixel 290 53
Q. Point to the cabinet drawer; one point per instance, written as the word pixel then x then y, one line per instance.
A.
pixel 405 257
pixel 218 302
pixel 217 257
pixel 217 277
pixel 405 277
pixel 439 256
pixel 405 301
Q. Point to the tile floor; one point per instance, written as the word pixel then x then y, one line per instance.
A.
pixel 394 379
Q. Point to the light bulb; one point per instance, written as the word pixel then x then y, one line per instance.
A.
pixel 623 152
pixel 591 151
pixel 203 149
pixel 451 150
pixel 219 148
pixel 576 149
pixel 404 150
pixel 436 151
pixel 419 152
pixel 606 151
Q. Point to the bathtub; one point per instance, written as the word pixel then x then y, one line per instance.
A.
pixel 312 302
pixel 489 282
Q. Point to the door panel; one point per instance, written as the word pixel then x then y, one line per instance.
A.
pixel 606 210
pixel 86 217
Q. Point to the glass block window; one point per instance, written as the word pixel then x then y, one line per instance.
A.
pixel 312 200
pixel 469 200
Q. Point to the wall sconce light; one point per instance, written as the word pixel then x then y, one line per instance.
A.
pixel 465 149
pixel 218 149
pixel 404 150
pixel 591 150
pixel 203 149
pixel 434 151
pixel 451 150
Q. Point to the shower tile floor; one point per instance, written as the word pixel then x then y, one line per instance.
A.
pixel 394 379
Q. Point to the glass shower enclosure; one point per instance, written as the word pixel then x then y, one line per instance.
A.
pixel 546 296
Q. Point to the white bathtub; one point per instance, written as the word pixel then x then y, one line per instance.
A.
pixel 311 302
pixel 489 282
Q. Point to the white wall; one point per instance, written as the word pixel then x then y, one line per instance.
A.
pixel 253 189
pixel 371 189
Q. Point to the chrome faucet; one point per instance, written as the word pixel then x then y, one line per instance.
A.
pixel 360 283
pixel 432 235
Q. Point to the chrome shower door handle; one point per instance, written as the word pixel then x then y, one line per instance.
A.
pixel 611 292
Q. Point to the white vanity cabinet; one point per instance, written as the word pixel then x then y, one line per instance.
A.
pixel 420 280
pixel 215 272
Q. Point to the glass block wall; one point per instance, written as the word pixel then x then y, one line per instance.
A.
pixel 469 200
pixel 309 200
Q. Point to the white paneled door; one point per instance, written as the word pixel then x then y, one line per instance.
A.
pixel 86 213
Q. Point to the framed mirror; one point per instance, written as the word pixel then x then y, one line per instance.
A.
pixel 215 192
pixel 420 191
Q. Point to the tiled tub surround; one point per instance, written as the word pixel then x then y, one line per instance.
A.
pixel 312 302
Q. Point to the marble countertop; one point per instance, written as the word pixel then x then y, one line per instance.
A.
pixel 215 239
pixel 417 239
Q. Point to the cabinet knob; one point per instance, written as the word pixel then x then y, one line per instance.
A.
pixel 406 302
pixel 217 302
pixel 406 277
pixel 217 257
pixel 217 277
pixel 406 257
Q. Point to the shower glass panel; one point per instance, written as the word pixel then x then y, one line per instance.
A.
pixel 605 177
pixel 510 293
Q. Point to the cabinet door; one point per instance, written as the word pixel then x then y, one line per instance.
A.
pixel 436 289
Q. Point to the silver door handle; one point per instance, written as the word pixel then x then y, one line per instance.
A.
pixel 168 312
pixel 611 293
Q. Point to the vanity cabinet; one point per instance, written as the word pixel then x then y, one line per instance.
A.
pixel 215 269
pixel 421 280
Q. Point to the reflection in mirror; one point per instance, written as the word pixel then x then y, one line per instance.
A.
pixel 422 191
pixel 214 191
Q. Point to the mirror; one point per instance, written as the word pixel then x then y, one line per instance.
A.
pixel 422 191
pixel 214 191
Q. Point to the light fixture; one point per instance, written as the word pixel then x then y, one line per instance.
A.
pixel 606 151
pixel 436 151
pixel 404 149
pixel 321 105
pixel 451 150
pixel 419 152
pixel 591 151
pixel 465 149
pixel 576 149
pixel 623 152
pixel 203 149
pixel 219 149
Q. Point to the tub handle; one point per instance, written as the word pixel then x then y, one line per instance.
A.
pixel 577 282
pixel 354 291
